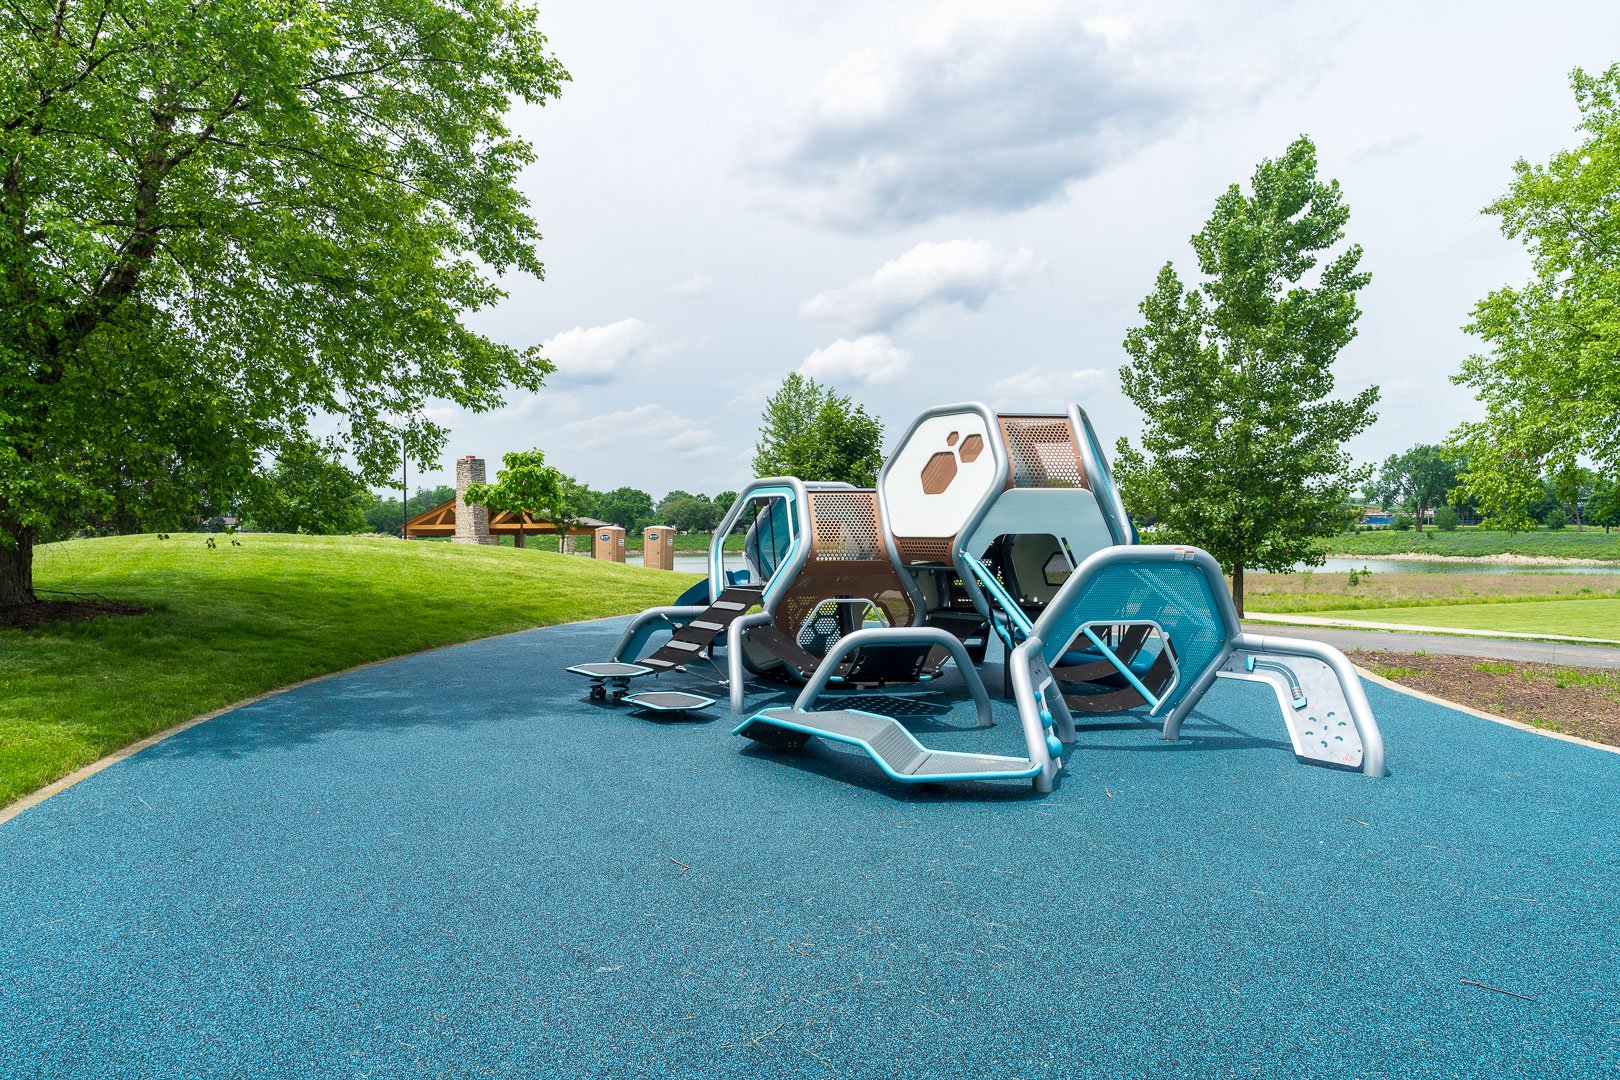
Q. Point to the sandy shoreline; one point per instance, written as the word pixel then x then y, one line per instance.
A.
pixel 1504 558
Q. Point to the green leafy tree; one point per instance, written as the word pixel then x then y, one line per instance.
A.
pixel 1572 485
pixel 1242 449
pixel 525 486
pixel 1417 481
pixel 1445 518
pixel 385 515
pixel 628 507
pixel 689 513
pixel 222 218
pixel 1550 376
pixel 308 490
pixel 814 433
pixel 1603 508
pixel 572 502
pixel 722 504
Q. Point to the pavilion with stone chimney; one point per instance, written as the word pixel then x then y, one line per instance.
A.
pixel 472 524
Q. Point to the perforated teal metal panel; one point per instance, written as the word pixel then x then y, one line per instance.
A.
pixel 1176 596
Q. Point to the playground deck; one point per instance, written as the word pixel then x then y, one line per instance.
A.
pixel 451 864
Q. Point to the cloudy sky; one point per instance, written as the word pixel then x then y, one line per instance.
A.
pixel 923 203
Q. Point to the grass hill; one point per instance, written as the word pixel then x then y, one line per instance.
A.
pixel 228 623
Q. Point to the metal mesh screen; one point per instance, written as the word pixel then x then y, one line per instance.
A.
pixel 846 526
pixel 1177 597
pixel 1042 452
pixel 924 549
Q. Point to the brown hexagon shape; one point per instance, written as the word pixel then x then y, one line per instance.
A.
pixel 939 472
pixel 972 447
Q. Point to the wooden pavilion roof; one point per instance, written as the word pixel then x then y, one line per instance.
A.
pixel 441 521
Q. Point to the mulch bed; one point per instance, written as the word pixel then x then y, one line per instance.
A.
pixel 1587 704
pixel 30 616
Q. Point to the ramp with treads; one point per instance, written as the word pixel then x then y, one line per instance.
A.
pixel 895 749
pixel 689 641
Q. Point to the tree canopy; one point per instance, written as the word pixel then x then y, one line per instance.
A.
pixel 688 512
pixel 1550 376
pixel 814 433
pixel 308 490
pixel 1416 481
pixel 524 485
pixel 630 508
pixel 1242 448
pixel 222 219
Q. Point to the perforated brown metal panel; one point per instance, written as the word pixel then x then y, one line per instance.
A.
pixel 847 561
pixel 1043 452
pixel 845 526
pixel 916 549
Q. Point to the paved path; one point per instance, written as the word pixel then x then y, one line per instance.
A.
pixel 1540 652
pixel 1445 631
pixel 452 865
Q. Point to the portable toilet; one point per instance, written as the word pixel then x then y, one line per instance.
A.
pixel 609 545
pixel 658 547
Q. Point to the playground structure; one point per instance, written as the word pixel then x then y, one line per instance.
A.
pixel 981 525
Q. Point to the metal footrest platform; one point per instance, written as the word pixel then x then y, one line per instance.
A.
pixel 610 679
pixel 670 701
pixel 1313 702
pixel 895 749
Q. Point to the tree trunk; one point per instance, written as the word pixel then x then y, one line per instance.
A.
pixel 1237 588
pixel 17 570
pixel 520 540
pixel 1421 509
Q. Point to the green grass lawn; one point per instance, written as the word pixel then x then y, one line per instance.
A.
pixel 232 622
pixel 1588 543
pixel 1589 618
pixel 1321 591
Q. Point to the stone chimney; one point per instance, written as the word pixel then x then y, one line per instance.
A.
pixel 472 522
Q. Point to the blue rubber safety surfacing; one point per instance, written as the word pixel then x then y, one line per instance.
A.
pixel 452 865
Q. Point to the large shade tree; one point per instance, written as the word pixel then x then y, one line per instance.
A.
pixel 1417 481
pixel 815 433
pixel 526 487
pixel 220 220
pixel 1550 376
pixel 1242 449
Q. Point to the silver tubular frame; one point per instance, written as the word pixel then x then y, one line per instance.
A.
pixel 1095 464
pixel 1033 686
pixel 801 524
pixel 736 672
pixel 881 637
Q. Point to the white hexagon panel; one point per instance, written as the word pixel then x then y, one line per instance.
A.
pixel 940 474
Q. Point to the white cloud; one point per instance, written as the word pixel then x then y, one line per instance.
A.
pixel 1044 389
pixel 984 109
pixel 595 354
pixel 965 272
pixel 871 359
pixel 755 392
pixel 696 285
pixel 652 426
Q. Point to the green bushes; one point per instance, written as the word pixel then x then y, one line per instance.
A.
pixel 1445 519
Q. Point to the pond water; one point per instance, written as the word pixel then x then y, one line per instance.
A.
pixel 699 564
